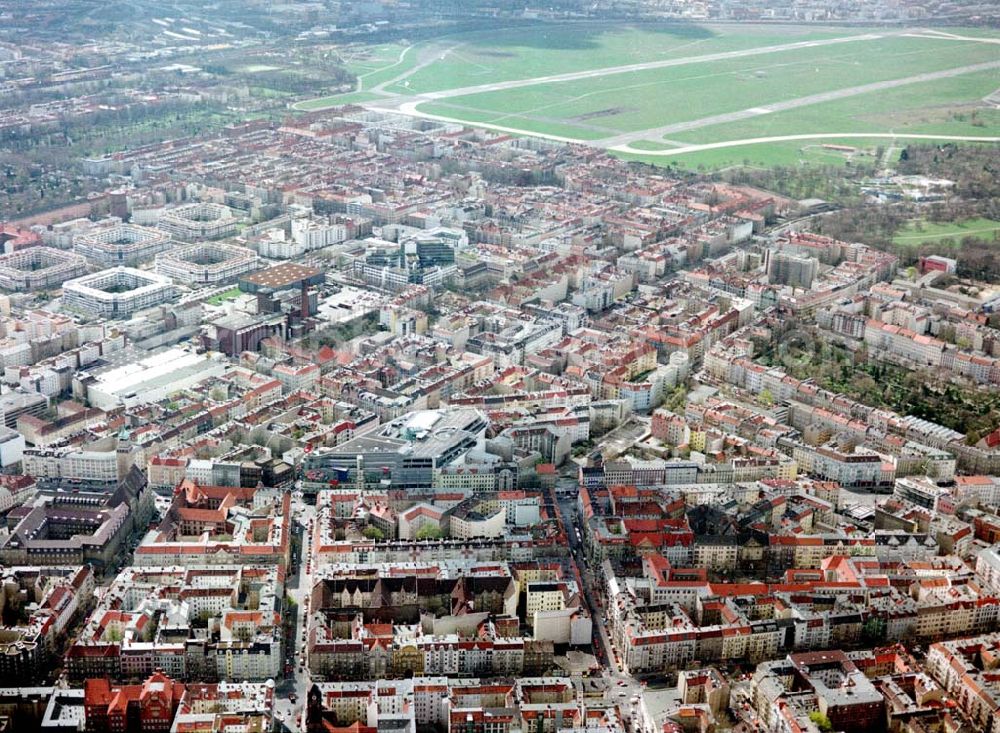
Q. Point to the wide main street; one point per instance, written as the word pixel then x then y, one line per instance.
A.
pixel 292 691
pixel 621 685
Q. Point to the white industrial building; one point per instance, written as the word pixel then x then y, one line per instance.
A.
pixel 150 378
pixel 11 447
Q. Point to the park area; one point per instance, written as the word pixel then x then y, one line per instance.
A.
pixel 919 232
pixel 691 94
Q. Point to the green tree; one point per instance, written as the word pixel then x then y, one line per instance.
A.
pixel 822 722
pixel 874 629
pixel 373 533
pixel 677 400
pixel 429 532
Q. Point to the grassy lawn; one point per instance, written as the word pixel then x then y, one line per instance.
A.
pixel 605 106
pixel 918 232
pixel 646 99
pixel 766 154
pixel 525 53
pixel 521 53
pixel 942 107
pixel 221 298
pixel 540 125
pixel 372 66
pixel 397 60
pixel 784 153
pixel 268 93
pixel 365 60
pixel 311 105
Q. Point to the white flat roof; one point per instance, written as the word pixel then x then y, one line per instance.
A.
pixel 423 420
pixel 126 377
